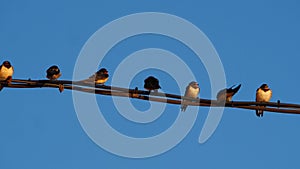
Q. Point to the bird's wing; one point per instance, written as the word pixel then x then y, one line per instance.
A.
pixel 232 91
pixel 93 77
pixel 258 95
pixel 235 90
pixel 186 94
pixel 183 107
pixel 187 90
pixel 221 93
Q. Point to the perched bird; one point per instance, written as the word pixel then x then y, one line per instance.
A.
pixel 100 77
pixel 151 83
pixel 226 94
pixel 263 94
pixel 53 72
pixel 6 71
pixel 192 90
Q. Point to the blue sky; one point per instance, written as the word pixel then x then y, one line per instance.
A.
pixel 257 42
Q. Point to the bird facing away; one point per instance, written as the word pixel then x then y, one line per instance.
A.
pixel 100 77
pixel 226 94
pixel 263 94
pixel 6 71
pixel 53 72
pixel 192 90
pixel 151 83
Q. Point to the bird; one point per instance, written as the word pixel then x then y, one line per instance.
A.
pixel 263 94
pixel 100 77
pixel 151 83
pixel 53 73
pixel 227 94
pixel 192 90
pixel 6 71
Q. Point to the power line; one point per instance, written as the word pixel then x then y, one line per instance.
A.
pixel 151 96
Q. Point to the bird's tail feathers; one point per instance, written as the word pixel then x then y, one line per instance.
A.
pixel 235 90
pixel 183 107
pixel 259 113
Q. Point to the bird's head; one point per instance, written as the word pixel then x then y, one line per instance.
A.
pixel 54 68
pixel 103 71
pixel 150 79
pixel 6 64
pixel 264 87
pixel 194 85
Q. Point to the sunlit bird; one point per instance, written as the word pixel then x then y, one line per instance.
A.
pixel 151 83
pixel 227 94
pixel 6 71
pixel 192 90
pixel 263 94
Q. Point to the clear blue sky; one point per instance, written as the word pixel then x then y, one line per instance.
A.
pixel 257 42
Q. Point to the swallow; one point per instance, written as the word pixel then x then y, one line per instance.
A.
pixel 227 94
pixel 192 90
pixel 100 77
pixel 53 73
pixel 151 83
pixel 6 71
pixel 263 94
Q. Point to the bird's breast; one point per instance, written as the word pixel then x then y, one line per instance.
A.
pixel 5 72
pixel 263 96
pixel 192 92
pixel 101 81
